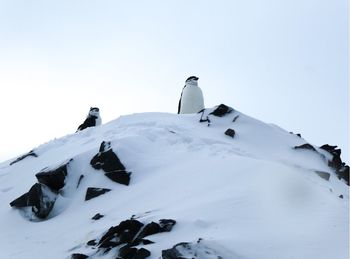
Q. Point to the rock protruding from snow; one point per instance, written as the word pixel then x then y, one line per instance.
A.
pixel 220 111
pixel 128 237
pixel 40 198
pixel 54 178
pixel 341 169
pixel 93 192
pixel 230 132
pixel 306 146
pixel 97 216
pixel 196 250
pixel 323 175
pixel 30 153
pixel 79 256
pixel 109 162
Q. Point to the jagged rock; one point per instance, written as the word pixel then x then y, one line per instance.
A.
pixel 297 134
pixel 221 110
pixel 230 133
pixel 80 179
pixel 121 177
pixel 53 178
pixel 166 225
pixel 79 256
pixel 30 153
pixel 128 252
pixel 336 161
pixel 323 175
pixel 109 162
pixel 91 243
pixel 190 250
pixel 39 197
pixel 97 216
pixel 92 192
pixel 305 146
pixel 343 173
pixel 125 232
pixel 106 159
pixel 341 196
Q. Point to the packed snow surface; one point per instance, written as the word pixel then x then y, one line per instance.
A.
pixel 248 197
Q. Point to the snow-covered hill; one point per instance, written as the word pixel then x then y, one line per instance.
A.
pixel 256 192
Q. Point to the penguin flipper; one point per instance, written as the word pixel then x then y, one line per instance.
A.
pixel 89 122
pixel 179 107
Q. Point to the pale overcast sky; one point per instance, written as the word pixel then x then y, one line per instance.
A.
pixel 280 61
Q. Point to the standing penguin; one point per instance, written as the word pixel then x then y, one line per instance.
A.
pixel 93 119
pixel 191 100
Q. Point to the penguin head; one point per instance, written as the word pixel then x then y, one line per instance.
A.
pixel 94 111
pixel 192 80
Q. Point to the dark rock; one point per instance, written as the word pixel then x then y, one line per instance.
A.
pixel 146 242
pixel 128 252
pixel 298 134
pixel 53 178
pixel 323 175
pixel 164 225
pixel 196 250
pixel 92 192
pixel 91 243
pixel 79 256
pixel 343 173
pixel 121 177
pixel 106 159
pixel 221 110
pixel 230 133
pixel 235 118
pixel 341 196
pixel 125 232
pixel 305 146
pixel 97 216
pixel 109 162
pixel 20 202
pixel 30 153
pixel 336 161
pixel 173 253
pixel 79 181
pixel 39 197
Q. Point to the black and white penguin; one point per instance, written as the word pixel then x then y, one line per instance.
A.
pixel 93 119
pixel 191 100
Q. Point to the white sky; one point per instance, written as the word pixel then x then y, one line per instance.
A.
pixel 281 61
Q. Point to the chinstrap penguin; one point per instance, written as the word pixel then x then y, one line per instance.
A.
pixel 93 119
pixel 191 100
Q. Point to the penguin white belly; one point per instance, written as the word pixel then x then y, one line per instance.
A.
pixel 98 121
pixel 192 100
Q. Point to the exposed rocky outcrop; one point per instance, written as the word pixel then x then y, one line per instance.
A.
pixel 30 153
pixel 109 162
pixel 40 198
pixel 93 192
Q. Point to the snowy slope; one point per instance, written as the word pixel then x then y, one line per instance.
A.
pixel 248 197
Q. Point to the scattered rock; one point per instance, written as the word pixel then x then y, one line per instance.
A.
pixel 230 133
pixel 128 252
pixel 121 177
pixel 235 118
pixel 196 250
pixel 79 181
pixel 39 197
pixel 109 162
pixel 30 153
pixel 92 242
pixel 106 159
pixel 341 169
pixel 221 110
pixel 97 216
pixel 93 192
pixel 341 196
pixel 53 178
pixel 323 175
pixel 79 256
pixel 336 161
pixel 305 146
pixel 298 134
pixel 343 173
pixel 123 233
